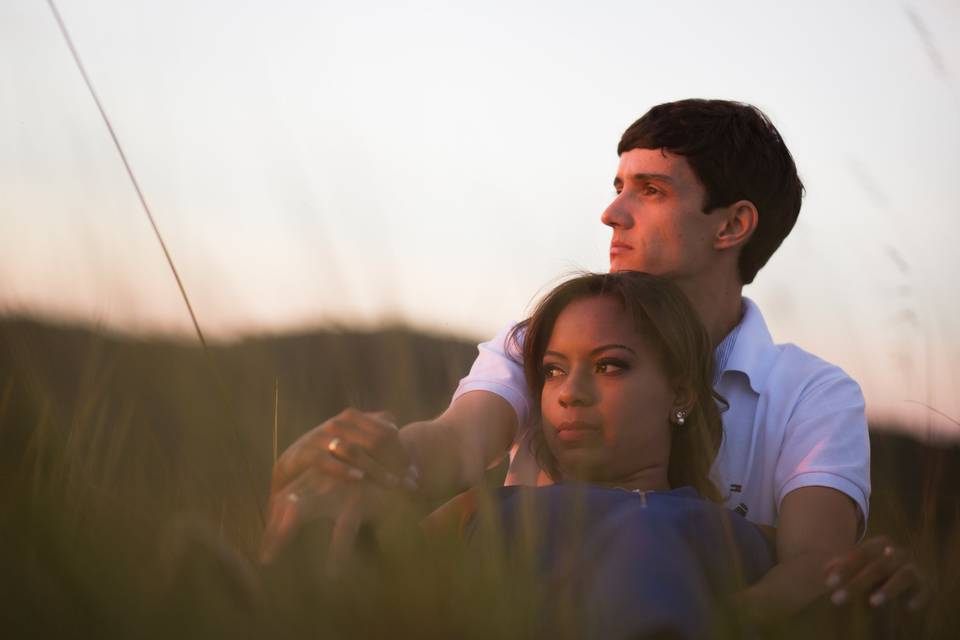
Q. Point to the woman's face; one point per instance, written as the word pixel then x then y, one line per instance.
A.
pixel 606 399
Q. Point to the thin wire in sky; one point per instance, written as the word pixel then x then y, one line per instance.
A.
pixel 126 164
pixel 163 245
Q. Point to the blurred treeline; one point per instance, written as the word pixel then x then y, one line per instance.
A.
pixel 134 474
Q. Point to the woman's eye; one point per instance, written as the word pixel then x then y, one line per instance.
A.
pixel 551 371
pixel 611 366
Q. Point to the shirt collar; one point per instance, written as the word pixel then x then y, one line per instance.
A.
pixel 753 351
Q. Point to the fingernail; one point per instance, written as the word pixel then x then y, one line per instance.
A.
pixel 877 599
pixel 413 471
pixel 839 597
pixel 833 580
pixel 356 474
pixel 410 484
pixel 888 551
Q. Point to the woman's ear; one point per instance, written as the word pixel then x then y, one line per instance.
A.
pixel 683 401
pixel 740 221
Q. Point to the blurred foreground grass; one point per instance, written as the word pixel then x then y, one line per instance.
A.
pixel 133 474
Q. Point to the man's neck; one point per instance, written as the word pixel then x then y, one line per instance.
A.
pixel 718 301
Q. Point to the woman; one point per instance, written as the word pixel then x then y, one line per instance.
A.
pixel 629 538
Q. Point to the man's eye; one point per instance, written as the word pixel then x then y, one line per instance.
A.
pixel 651 190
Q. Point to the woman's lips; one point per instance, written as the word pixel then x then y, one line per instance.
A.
pixel 575 432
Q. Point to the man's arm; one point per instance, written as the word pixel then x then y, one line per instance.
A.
pixel 453 450
pixel 815 524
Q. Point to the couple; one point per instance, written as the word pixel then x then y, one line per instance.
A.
pixel 706 191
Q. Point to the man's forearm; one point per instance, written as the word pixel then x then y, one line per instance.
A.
pixel 436 452
pixel 453 450
pixel 785 590
pixel 815 524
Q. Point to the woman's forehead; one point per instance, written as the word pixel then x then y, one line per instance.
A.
pixel 594 319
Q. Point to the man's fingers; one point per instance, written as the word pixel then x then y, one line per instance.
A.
pixel 867 578
pixel 921 600
pixel 384 416
pixel 313 449
pixel 300 456
pixel 842 568
pixel 358 459
pixel 371 433
pixel 377 436
pixel 904 579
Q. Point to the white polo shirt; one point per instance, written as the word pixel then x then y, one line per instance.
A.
pixel 794 420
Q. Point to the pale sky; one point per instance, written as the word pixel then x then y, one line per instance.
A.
pixel 363 162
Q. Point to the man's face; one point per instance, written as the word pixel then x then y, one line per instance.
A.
pixel 657 216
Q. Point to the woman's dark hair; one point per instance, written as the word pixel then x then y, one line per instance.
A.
pixel 661 314
pixel 737 154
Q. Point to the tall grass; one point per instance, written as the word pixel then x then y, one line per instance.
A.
pixel 125 510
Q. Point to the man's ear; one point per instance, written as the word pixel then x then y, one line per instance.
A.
pixel 739 222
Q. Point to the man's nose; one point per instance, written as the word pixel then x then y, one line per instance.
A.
pixel 615 217
pixel 577 391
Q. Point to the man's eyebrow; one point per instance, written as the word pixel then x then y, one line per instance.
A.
pixel 652 176
pixel 640 177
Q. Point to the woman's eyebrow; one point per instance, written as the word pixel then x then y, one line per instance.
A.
pixel 607 347
pixel 555 354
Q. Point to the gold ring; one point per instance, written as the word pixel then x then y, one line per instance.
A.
pixel 332 446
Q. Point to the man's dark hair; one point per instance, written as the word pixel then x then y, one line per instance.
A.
pixel 737 154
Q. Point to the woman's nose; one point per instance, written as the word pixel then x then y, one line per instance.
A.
pixel 577 390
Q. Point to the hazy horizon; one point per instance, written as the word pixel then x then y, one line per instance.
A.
pixel 440 167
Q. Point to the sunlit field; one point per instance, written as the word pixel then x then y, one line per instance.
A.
pixel 135 475
pixel 337 159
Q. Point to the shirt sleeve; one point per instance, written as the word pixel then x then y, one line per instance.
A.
pixel 826 443
pixel 498 369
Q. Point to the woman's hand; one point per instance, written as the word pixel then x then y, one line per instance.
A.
pixel 879 568
pixel 339 470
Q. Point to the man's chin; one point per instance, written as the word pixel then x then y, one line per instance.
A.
pixel 623 265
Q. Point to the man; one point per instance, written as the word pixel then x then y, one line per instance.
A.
pixel 706 191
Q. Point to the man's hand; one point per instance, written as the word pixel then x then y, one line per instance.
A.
pixel 876 566
pixel 338 470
